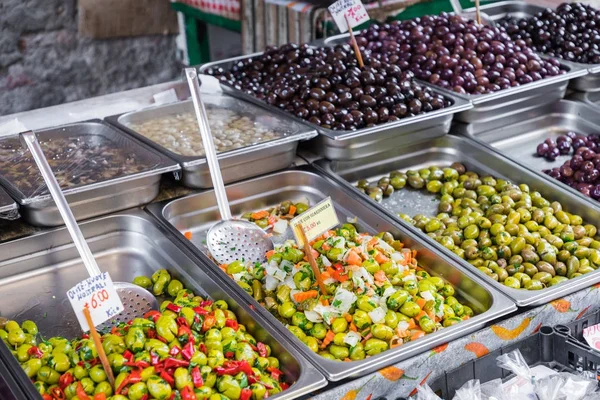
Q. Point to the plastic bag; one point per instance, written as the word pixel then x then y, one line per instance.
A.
pixel 520 388
pixel 474 390
pixel 425 393
pixel 469 391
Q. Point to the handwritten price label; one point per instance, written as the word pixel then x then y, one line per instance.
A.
pixel 98 294
pixel 591 335
pixel 315 221
pixel 353 10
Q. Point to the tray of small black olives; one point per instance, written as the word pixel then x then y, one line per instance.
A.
pixel 571 32
pixel 529 235
pixel 477 62
pixel 357 111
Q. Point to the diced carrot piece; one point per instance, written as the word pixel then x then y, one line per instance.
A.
pixel 380 275
pixel 396 343
pixel 292 210
pixel 420 315
pixel 260 214
pixel 353 258
pixel 353 327
pixel 327 339
pixel 271 220
pixel 326 246
pixel 381 258
pixel 302 296
pixel 412 324
pixel 348 317
pixel 325 302
pixel 421 302
pixel 403 333
pixel 416 334
pixel 270 253
pixel 188 235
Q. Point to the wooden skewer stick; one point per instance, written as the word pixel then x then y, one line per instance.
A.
pixel 354 44
pixel 99 348
pixel 312 261
pixel 477 12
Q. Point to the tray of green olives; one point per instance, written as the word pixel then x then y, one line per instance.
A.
pixel 365 337
pixel 40 329
pixel 530 237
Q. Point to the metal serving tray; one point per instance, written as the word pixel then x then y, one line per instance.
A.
pixel 36 272
pixel 8 207
pixel 591 99
pixel 518 141
pixel 496 109
pixel 478 158
pixel 235 164
pixel 520 9
pixel 198 212
pixel 98 198
pixel 347 145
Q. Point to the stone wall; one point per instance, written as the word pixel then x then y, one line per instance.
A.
pixel 44 62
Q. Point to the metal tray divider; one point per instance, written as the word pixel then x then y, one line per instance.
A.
pixel 501 307
pixel 521 297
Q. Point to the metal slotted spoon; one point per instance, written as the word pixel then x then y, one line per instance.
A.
pixel 136 300
pixel 228 240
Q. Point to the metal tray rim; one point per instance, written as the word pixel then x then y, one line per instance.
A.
pixel 501 305
pixel 459 104
pixel 192 161
pixel 165 165
pixel 521 297
pixel 310 379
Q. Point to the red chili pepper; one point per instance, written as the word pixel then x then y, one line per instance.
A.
pixel 226 370
pixel 187 393
pixel 203 348
pixel 262 349
pixel 35 351
pixel 133 377
pixel 246 394
pixel 162 339
pixel 275 373
pixel 154 358
pixel 284 385
pixel 175 363
pixel 81 394
pixel 174 351
pixel 253 346
pixel 232 324
pixel 128 355
pixel 46 396
pixel 138 364
pixel 65 380
pixel 338 267
pixel 57 394
pixel 144 397
pixel 182 321
pixel 158 368
pixel 167 378
pixel 174 308
pixel 102 396
pixel 229 354
pixel 183 331
pixel 245 367
pixel 206 303
pixel 151 334
pixel 201 311
pixel 85 336
pixel 197 377
pixel 252 379
pixel 94 362
pixel 152 314
pixel 209 322
pixel 188 350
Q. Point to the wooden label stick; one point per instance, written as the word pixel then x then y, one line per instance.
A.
pixel 312 261
pixel 99 348
pixel 477 12
pixel 354 44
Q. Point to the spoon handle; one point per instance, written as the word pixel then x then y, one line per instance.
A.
pixel 61 203
pixel 209 145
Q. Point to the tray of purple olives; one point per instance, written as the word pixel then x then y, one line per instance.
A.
pixel 570 32
pixel 357 112
pixel 479 63
pixel 563 143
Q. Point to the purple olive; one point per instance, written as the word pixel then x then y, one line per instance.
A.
pixel 595 192
pixel 542 149
pixel 552 154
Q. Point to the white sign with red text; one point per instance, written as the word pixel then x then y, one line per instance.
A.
pixel 348 12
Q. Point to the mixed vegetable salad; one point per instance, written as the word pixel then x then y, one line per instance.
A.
pixel 193 348
pixel 377 295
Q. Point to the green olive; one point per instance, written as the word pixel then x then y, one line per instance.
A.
pixel 375 346
pixel 410 309
pixel 339 352
pixel 143 281
pixel 339 325
pixel 158 388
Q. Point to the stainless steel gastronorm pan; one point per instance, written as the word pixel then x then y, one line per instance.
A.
pixel 518 141
pixel 36 272
pixel 478 158
pixel 235 164
pixel 520 9
pixel 494 110
pixel 591 99
pixel 198 212
pixel 344 145
pixel 8 207
pixel 98 198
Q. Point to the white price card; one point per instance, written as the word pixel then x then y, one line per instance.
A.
pixel 315 221
pixel 99 295
pixel 351 10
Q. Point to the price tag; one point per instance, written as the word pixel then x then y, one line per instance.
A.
pixel 353 10
pixel 315 221
pixel 99 295
pixel 591 335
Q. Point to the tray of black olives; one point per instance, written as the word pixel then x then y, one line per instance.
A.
pixel 357 111
pixel 476 62
pixel 571 32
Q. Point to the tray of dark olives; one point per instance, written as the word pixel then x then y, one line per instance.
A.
pixel 529 236
pixel 37 271
pixel 357 112
pixel 502 79
pixel 550 143
pixel 100 169
pixel 567 32
pixel 193 215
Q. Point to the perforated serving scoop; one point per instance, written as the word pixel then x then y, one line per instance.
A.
pixel 228 240
pixel 136 300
